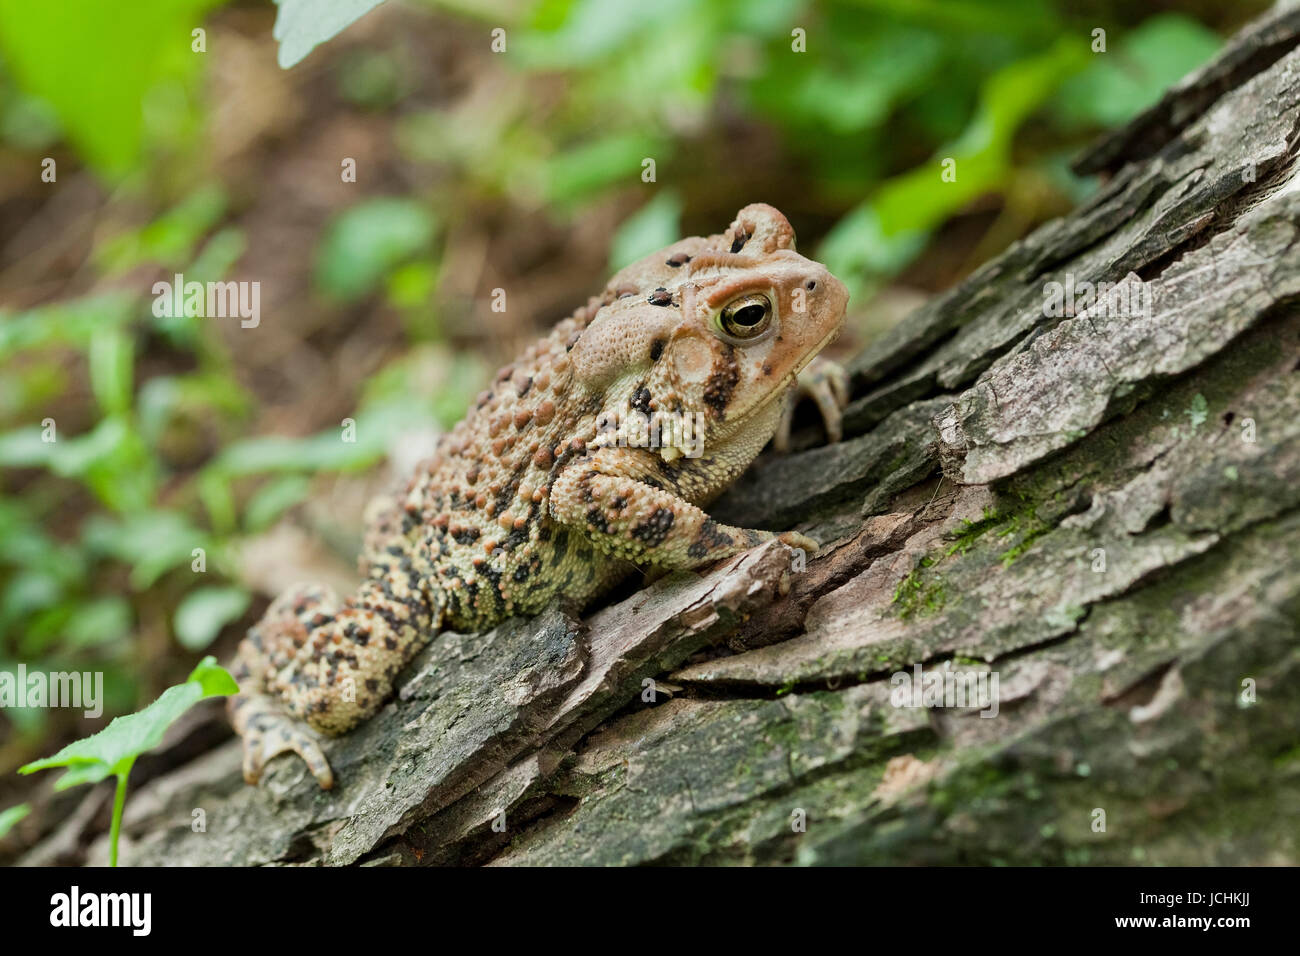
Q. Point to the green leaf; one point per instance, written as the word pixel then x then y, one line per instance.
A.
pixel 99 621
pixel 301 25
pixel 580 173
pixel 273 499
pixel 69 323
pixel 115 748
pixel 112 460
pixel 168 240
pixel 110 71
pixel 112 364
pixel 1134 74
pixel 325 450
pixel 213 679
pixel 366 242
pixel 152 542
pixel 9 818
pixel 205 611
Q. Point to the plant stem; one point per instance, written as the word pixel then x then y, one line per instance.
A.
pixel 119 801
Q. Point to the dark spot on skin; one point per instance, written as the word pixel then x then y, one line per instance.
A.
pixel 596 518
pixel 466 535
pixel 660 296
pixel 521 573
pixel 641 400
pixel 739 242
pixel 710 538
pixel 654 529
pixel 721 384
pixel 509 492
pixel 527 385
pixel 494 576
pixel 678 260
pixel 390 642
pixel 657 349
pixel 561 546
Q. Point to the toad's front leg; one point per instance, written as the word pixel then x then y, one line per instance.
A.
pixel 827 384
pixel 631 517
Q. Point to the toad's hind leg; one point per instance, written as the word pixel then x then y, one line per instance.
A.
pixel 312 665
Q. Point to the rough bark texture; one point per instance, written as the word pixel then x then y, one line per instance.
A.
pixel 1103 511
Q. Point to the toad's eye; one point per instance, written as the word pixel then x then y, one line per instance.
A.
pixel 747 317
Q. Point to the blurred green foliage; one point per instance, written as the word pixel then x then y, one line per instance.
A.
pixel 155 468
pixel 117 76
pixel 367 242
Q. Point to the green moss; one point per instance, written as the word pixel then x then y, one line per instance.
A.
pixel 971 531
pixel 1027 527
pixel 919 593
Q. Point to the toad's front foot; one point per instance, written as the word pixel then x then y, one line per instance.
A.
pixel 267 732
pixel 827 384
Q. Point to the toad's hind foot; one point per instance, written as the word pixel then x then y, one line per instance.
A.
pixel 268 732
pixel 827 384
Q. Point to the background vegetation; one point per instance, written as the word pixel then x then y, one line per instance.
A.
pixel 475 171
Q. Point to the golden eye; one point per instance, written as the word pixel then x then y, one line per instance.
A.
pixel 747 317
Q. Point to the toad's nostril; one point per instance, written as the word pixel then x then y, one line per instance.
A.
pixel 812 284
